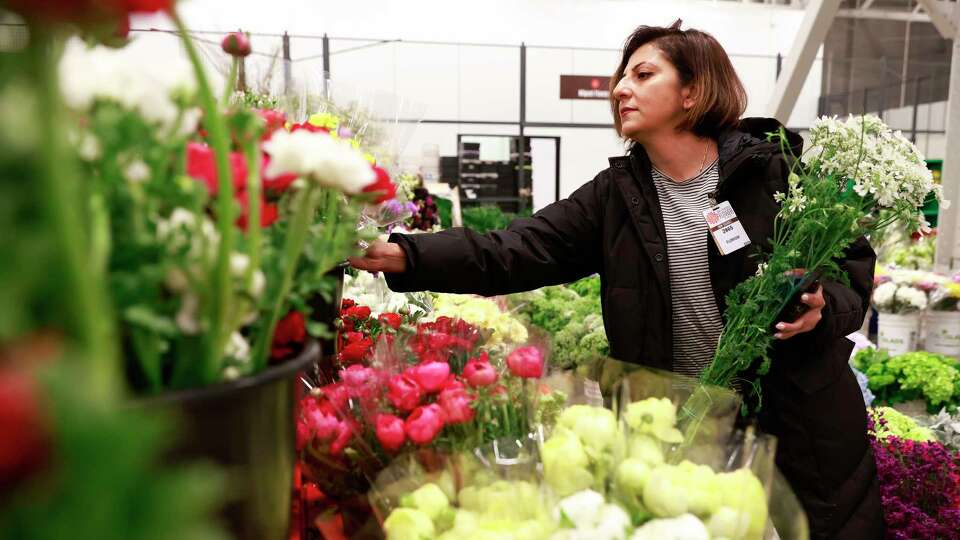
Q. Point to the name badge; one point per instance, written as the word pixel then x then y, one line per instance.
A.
pixel 725 228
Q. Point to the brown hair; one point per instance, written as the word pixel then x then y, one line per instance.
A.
pixel 702 63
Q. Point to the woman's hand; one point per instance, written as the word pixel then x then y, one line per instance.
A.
pixel 808 321
pixel 382 257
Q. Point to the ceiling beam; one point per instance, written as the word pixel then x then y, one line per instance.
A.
pixel 940 15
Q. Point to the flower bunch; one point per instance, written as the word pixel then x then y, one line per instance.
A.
pixel 484 313
pixel 917 375
pixel 369 289
pixel 889 297
pixel 892 423
pixel 919 485
pixel 835 194
pixel 881 163
pixel 946 297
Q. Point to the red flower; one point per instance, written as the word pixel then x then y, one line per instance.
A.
pixel 478 372
pixel 356 351
pixel 382 185
pixel 361 382
pixel 337 395
pixel 84 12
pixel 526 362
pixel 357 312
pixel 390 432
pixel 309 127
pixel 272 119
pixel 269 213
pixel 346 303
pixel 236 44
pixel 148 6
pixel 431 376
pixel 404 392
pixel 24 445
pixel 303 435
pixel 344 436
pixel 456 404
pixel 393 320
pixel 289 335
pixel 202 166
pixel 278 183
pixel 424 424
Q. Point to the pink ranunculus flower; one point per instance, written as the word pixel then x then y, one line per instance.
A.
pixel 424 424
pixel 390 432
pixel 457 405
pixel 404 392
pixel 479 372
pixel 431 375
pixel 526 362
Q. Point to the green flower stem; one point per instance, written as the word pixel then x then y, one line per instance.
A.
pixel 252 151
pixel 219 305
pixel 231 83
pixel 292 248
pixel 89 311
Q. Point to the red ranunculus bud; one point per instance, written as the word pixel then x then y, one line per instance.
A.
pixel 346 303
pixel 269 213
pixel 273 120
pixel 424 424
pixel 479 372
pixel 236 44
pixel 431 376
pixel 390 432
pixel 356 351
pixel 382 185
pixel 202 166
pixel 393 320
pixel 526 362
pixel 404 392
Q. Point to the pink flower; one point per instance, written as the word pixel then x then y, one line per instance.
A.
pixel 404 392
pixel 322 425
pixel 390 432
pixel 424 424
pixel 344 434
pixel 526 362
pixel 236 44
pixel 337 395
pixel 478 372
pixel 456 404
pixel 358 379
pixel 431 376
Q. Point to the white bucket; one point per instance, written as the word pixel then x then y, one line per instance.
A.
pixel 943 332
pixel 898 334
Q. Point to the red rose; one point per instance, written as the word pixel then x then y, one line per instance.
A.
pixel 526 362
pixel 289 335
pixel 381 185
pixel 202 166
pixel 404 392
pixel 457 405
pixel 357 312
pixel 346 303
pixel 478 372
pixel 269 213
pixel 393 320
pixel 424 424
pixel 236 44
pixel 278 183
pixel 431 376
pixel 390 432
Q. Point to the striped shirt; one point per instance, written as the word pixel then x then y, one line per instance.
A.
pixel 696 318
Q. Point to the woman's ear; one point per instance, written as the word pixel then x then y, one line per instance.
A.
pixel 688 97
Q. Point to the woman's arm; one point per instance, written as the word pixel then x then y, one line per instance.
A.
pixel 559 244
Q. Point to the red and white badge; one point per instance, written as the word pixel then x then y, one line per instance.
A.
pixel 725 228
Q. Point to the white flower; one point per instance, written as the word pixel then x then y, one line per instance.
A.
pixel 762 268
pixel 88 148
pixel 179 232
pixel 319 158
pixel 231 373
pixel 127 76
pixel 239 263
pixel 186 318
pixel 581 508
pixel 914 298
pixel 237 348
pixel 176 280
pixel 685 527
pixel 258 285
pixel 883 294
pixel 136 172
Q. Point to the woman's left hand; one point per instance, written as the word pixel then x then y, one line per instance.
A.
pixel 808 321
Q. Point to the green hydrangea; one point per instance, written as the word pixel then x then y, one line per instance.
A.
pixel 934 378
pixel 899 425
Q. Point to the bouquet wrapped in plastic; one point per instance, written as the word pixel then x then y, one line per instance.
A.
pixel 618 471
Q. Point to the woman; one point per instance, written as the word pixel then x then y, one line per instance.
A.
pixel 639 224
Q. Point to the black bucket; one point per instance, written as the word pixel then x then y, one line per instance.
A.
pixel 247 427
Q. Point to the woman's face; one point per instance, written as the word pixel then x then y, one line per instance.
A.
pixel 650 96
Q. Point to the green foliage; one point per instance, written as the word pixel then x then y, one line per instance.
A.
pixel 484 219
pixel 892 423
pixel 934 378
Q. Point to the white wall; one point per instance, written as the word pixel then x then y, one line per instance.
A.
pixel 469 82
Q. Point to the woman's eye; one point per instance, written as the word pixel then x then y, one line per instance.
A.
pixel 644 75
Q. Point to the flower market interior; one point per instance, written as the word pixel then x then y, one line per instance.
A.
pixel 480 270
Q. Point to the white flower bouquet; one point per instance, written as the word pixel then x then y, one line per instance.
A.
pixel 899 298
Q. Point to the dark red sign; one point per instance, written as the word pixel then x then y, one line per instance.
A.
pixel 584 87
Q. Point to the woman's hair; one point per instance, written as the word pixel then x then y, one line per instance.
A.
pixel 702 63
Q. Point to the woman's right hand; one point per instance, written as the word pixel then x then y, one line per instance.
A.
pixel 382 257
